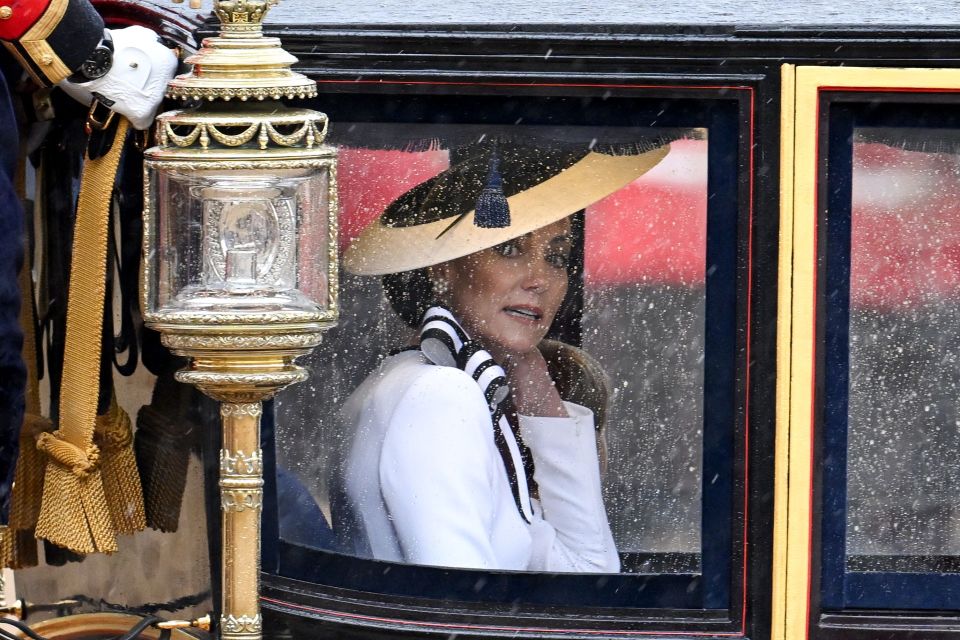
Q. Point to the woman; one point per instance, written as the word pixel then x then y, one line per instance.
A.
pixel 464 454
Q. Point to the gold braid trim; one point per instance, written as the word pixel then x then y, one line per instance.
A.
pixel 34 42
pixel 74 512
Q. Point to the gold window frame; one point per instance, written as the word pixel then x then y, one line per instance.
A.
pixel 794 457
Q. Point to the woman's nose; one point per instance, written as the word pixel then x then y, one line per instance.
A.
pixel 536 276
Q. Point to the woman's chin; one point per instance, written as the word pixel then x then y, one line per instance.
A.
pixel 507 339
pixel 513 348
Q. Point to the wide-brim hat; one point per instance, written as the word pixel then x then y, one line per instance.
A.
pixel 531 187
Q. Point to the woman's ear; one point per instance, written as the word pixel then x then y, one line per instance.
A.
pixel 439 275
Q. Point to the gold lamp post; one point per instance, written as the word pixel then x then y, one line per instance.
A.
pixel 240 257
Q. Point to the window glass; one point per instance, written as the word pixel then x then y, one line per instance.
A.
pixel 644 320
pixel 903 420
pixel 650 337
pixel 890 309
pixel 639 311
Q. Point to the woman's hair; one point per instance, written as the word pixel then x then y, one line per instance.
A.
pixel 580 379
pixel 410 294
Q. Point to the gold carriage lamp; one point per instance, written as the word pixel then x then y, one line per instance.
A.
pixel 240 256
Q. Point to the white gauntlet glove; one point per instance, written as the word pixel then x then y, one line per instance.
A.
pixel 142 66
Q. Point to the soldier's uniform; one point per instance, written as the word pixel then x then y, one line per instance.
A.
pixel 50 39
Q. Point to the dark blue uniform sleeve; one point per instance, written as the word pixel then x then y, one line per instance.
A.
pixel 12 370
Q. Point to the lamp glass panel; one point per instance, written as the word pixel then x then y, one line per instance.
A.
pixel 239 240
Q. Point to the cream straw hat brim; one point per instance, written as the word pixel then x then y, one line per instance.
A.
pixel 381 249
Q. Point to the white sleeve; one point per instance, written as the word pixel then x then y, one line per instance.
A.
pixel 436 488
pixel 574 534
pixel 136 82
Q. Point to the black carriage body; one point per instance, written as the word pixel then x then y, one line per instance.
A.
pixel 674 65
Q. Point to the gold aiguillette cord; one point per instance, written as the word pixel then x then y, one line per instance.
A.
pixel 74 511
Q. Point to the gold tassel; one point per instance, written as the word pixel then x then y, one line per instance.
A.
pixel 74 513
pixel 28 480
pixel 6 545
pixel 118 467
pixel 18 548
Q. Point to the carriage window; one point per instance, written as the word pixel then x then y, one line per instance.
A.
pixel 891 411
pixel 402 472
pixel 639 312
pixel 905 299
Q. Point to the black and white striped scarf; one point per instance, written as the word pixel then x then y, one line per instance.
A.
pixel 444 342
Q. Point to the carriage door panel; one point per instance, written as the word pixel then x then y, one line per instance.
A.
pixel 868 523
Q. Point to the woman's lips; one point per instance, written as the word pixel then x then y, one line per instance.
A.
pixel 524 312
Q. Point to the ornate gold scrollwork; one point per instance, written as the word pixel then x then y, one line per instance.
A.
pixel 240 624
pixel 283 341
pixel 243 93
pixel 230 409
pixel 167 135
pixel 239 464
pixel 241 499
pixel 241 165
pixel 275 318
pixel 241 11
pixel 234 140
pixel 277 380
pixel 311 129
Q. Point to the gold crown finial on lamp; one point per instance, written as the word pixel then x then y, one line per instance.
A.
pixel 240 15
pixel 241 62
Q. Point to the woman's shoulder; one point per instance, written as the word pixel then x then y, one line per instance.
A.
pixel 412 367
pixel 408 379
pixel 423 381
pixel 416 401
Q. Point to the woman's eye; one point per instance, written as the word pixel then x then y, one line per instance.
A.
pixel 509 249
pixel 558 260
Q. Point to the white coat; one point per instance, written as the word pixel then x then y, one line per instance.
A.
pixel 423 482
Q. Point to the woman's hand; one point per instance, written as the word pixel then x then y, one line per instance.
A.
pixel 534 393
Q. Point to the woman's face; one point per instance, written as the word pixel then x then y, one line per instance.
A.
pixel 508 295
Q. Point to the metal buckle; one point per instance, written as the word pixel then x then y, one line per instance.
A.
pixel 142 141
pixel 92 122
